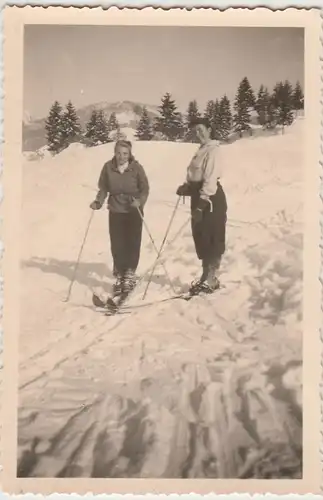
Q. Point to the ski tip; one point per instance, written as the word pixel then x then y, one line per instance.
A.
pixel 97 302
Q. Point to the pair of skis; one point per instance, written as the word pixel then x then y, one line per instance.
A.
pixel 114 303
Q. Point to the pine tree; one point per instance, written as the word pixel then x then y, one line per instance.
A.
pixel 113 123
pixel 217 121
pixel 283 101
pixel 97 129
pixel 265 107
pixel 271 118
pixel 244 102
pixel 101 128
pixel 298 97
pixel 277 93
pixel 247 92
pixel 209 111
pixel 144 130
pixel 192 114
pixel 169 123
pixel 242 117
pixel 71 125
pixel 261 106
pixel 91 129
pixel 226 118
pixel 55 129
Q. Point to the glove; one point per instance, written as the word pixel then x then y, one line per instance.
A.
pixel 135 204
pixel 197 215
pixel 95 205
pixel 183 190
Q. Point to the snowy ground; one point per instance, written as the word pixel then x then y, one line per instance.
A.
pixel 208 388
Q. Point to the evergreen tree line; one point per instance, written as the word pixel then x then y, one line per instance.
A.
pixel 273 109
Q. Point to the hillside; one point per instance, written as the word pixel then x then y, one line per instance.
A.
pixel 205 389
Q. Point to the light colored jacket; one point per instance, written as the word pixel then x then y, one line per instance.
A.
pixel 206 167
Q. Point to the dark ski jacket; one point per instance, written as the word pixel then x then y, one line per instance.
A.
pixel 122 187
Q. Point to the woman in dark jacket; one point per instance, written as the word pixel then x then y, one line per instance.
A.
pixel 125 180
pixel 208 206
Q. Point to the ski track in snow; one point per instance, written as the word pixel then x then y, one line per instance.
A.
pixel 206 388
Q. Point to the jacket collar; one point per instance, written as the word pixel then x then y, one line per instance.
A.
pixel 114 165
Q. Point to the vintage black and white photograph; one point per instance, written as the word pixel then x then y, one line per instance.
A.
pixel 162 252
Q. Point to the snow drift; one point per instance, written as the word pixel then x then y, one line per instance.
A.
pixel 208 388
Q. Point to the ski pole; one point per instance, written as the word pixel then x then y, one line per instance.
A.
pixel 154 245
pixel 161 247
pixel 169 243
pixel 78 258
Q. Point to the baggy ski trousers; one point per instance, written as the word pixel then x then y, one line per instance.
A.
pixel 125 240
pixel 209 234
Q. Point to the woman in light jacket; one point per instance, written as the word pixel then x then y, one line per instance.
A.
pixel 125 180
pixel 208 206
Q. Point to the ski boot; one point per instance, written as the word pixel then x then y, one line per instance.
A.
pixel 211 287
pixel 118 285
pixel 212 281
pixel 208 282
pixel 198 286
pixel 129 282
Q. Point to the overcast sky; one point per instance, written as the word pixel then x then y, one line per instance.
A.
pixel 90 64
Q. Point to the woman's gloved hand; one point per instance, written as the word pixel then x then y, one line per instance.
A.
pixel 135 204
pixel 95 205
pixel 183 190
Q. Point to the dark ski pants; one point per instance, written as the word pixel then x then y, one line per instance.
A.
pixel 209 234
pixel 125 240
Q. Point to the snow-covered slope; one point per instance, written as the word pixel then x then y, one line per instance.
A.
pixel 128 395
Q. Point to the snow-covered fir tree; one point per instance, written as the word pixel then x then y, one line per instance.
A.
pixel 261 105
pixel 298 97
pixel 91 128
pixel 144 130
pixel 271 118
pixel 169 123
pixel 216 121
pixel 242 116
pixel 266 108
pixel 209 111
pixel 97 129
pixel 247 92
pixel 101 128
pixel 226 117
pixel 192 115
pixel 283 101
pixel 113 123
pixel 71 125
pixel 277 93
pixel 54 127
